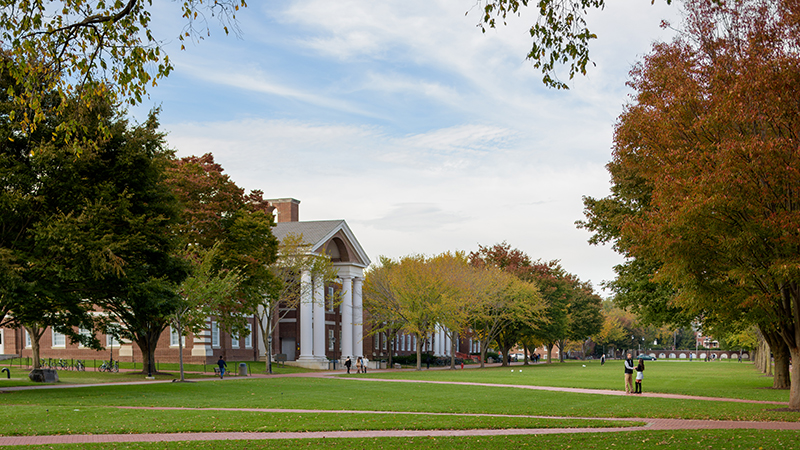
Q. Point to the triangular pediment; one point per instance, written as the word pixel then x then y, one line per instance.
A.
pixel 333 237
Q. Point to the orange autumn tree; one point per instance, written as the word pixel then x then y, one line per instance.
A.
pixel 713 139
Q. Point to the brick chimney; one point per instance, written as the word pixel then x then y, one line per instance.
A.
pixel 286 209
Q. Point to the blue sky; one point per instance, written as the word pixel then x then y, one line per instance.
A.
pixel 425 134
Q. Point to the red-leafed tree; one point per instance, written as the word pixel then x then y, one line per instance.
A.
pixel 713 137
pixel 216 213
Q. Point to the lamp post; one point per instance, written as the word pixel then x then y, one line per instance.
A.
pixel 269 354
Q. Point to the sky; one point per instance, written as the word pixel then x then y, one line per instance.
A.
pixel 403 118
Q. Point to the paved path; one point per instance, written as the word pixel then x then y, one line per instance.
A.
pixel 651 424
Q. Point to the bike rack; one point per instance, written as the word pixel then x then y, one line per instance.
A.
pixel 8 372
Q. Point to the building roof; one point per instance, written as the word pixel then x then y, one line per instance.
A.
pixel 317 234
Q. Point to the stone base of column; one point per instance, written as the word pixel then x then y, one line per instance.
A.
pixel 310 362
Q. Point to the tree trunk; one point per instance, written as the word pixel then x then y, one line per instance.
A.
pixel 780 352
pixel 525 354
pixel 794 390
pixel 419 353
pixel 453 347
pixel 35 334
pixel 180 350
pixel 483 355
pixel 504 358
pixel 549 346
pixel 560 344
pixel 147 342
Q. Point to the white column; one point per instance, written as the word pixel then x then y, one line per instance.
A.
pixel 347 317
pixel 306 314
pixel 358 319
pixel 440 341
pixel 319 318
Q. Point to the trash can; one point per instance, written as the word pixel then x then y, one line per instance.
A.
pixel 243 369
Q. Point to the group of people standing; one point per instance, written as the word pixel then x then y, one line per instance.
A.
pixel 361 364
pixel 629 381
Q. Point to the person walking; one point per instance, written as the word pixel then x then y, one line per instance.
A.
pixel 603 359
pixel 364 367
pixel 222 366
pixel 359 364
pixel 348 363
pixel 639 376
pixel 629 374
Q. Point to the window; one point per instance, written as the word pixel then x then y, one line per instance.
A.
pixel 27 339
pixel 329 299
pixel 111 341
pixel 383 338
pixel 248 340
pixel 234 341
pixel 173 338
pixel 214 334
pixel 84 333
pixel 59 340
pixel 377 340
pixel 331 339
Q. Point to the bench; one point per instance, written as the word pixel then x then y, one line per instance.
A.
pixel 280 358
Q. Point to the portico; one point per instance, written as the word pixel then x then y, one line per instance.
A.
pixel 321 330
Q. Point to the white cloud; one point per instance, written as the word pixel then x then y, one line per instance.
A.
pixel 401 117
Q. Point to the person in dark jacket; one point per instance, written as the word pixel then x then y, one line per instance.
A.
pixel 629 374
pixel 639 376
pixel 348 363
pixel 222 367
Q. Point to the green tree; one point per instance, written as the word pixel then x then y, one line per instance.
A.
pixel 217 214
pixel 202 293
pixel 120 242
pixel 92 50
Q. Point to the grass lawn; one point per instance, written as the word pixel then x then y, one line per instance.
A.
pixel 19 375
pixel 640 440
pixel 710 379
pixel 90 409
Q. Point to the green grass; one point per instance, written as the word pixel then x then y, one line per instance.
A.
pixel 349 394
pixel 19 375
pixel 40 420
pixel 640 440
pixel 712 379
pixel 90 409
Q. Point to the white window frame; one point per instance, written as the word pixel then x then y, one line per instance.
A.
pixel 383 339
pixel 28 343
pixel 329 291
pixel 173 338
pixel 59 340
pixel 214 334
pixel 248 340
pixel 234 341
pixel 112 341
pixel 331 339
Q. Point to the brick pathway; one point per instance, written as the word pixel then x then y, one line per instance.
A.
pixel 651 424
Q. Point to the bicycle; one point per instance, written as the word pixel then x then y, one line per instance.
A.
pixel 80 366
pixel 109 366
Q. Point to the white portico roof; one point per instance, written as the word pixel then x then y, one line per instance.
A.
pixel 318 233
